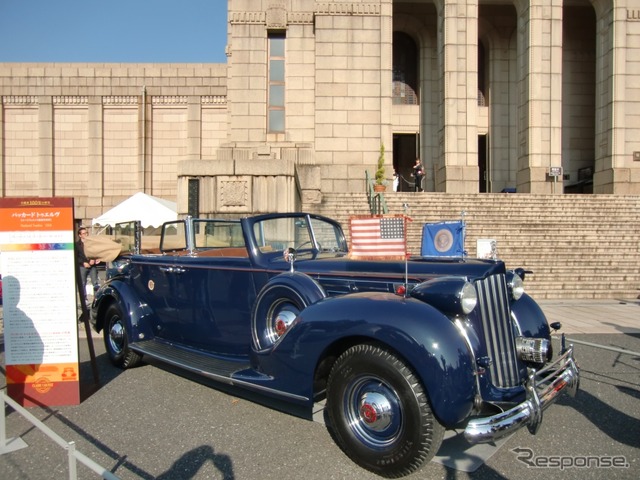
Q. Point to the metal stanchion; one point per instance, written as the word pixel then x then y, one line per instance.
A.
pixel 73 455
pixel 8 445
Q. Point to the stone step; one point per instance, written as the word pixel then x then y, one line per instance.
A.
pixel 569 236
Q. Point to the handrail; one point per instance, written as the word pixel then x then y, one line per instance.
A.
pixel 376 200
pixel 73 455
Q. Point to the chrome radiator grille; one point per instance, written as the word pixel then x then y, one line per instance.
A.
pixel 498 335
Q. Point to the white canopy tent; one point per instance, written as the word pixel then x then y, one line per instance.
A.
pixel 151 211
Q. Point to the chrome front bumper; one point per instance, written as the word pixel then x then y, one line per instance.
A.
pixel 542 389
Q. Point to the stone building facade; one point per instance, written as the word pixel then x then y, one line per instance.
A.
pixel 541 96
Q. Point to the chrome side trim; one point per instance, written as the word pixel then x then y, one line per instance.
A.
pixel 542 389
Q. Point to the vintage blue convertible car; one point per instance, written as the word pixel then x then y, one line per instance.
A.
pixel 400 351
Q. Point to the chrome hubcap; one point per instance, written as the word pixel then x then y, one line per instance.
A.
pixel 373 411
pixel 280 317
pixel 116 336
pixel 283 321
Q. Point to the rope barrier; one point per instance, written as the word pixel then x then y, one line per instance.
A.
pixel 410 184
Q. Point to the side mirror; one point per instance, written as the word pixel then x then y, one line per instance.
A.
pixel 522 273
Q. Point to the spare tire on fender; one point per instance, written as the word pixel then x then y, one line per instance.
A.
pixel 279 302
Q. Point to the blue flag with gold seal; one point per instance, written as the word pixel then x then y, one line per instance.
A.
pixel 443 239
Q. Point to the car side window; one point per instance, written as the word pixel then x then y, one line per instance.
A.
pixel 217 234
pixel 174 237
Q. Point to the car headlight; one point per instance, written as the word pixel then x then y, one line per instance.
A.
pixel 451 295
pixel 515 285
pixel 468 298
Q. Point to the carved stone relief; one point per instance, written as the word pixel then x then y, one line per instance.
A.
pixel 233 194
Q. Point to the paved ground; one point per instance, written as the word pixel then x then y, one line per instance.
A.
pixel 149 423
pixel 594 316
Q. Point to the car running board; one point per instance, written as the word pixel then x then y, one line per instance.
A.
pixel 200 363
pixel 225 371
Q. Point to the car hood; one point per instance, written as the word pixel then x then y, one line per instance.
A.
pixel 416 268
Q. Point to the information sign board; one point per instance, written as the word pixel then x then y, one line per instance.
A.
pixel 39 300
pixel 487 248
pixel 555 172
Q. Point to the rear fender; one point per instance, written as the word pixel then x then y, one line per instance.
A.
pixel 135 314
pixel 419 333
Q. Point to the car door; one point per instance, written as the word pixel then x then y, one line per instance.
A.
pixel 200 292
pixel 160 285
pixel 223 293
pixel 202 303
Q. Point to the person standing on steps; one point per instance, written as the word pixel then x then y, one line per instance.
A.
pixel 418 175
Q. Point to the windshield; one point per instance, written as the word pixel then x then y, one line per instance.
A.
pixel 301 233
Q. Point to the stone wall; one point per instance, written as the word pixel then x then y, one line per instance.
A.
pixel 102 132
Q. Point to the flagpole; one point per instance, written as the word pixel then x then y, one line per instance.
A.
pixel 406 275
pixel 406 253
pixel 464 235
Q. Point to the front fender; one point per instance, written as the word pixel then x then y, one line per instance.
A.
pixel 427 340
pixel 529 318
pixel 135 314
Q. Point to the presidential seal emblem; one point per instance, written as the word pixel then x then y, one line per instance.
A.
pixel 443 241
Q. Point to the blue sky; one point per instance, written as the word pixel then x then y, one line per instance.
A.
pixel 191 31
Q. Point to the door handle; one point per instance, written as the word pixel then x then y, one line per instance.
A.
pixel 172 269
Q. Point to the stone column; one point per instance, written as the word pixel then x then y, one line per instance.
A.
pixel 45 146
pixel 95 161
pixel 144 143
pixel 386 81
pixel 502 130
pixel 458 58
pixel 540 116
pixel 194 127
pixel 247 81
pixel 615 169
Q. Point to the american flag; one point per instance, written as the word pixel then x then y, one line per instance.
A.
pixel 378 237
